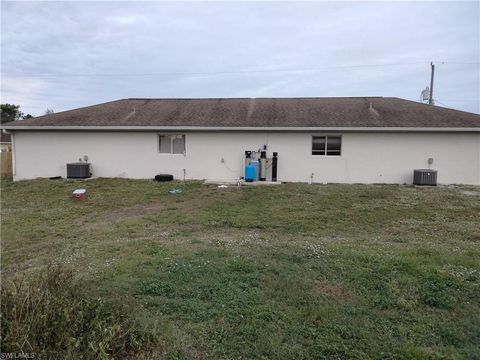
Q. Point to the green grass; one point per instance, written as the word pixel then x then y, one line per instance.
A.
pixel 283 272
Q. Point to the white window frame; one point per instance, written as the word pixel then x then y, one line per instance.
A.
pixel 171 144
pixel 326 144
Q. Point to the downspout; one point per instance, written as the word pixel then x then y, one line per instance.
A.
pixel 12 137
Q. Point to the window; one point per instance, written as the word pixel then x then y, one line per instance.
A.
pixel 171 144
pixel 327 145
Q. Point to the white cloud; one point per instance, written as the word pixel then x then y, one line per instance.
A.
pixel 21 91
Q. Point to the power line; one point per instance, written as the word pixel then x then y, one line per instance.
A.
pixel 457 63
pixel 438 102
pixel 325 68
pixel 322 68
pixel 465 100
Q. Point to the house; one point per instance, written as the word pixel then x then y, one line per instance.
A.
pixel 5 142
pixel 325 140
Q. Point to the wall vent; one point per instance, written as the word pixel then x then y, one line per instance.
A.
pixel 425 177
pixel 78 171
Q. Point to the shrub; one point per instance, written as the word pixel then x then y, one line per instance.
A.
pixel 52 316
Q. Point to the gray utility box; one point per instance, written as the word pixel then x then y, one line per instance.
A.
pixel 78 170
pixel 425 177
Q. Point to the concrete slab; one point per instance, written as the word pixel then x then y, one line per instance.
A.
pixel 240 182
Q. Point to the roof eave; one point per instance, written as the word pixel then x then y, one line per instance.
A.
pixel 241 128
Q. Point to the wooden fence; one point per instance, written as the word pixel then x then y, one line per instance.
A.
pixel 6 164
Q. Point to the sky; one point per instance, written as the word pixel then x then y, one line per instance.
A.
pixel 65 55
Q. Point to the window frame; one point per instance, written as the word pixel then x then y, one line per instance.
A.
pixel 326 146
pixel 171 144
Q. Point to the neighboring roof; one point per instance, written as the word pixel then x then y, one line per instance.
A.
pixel 290 113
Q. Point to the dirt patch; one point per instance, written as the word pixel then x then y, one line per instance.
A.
pixel 182 203
pixel 333 290
pixel 118 215
pixel 136 211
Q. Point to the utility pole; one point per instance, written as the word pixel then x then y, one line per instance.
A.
pixel 430 100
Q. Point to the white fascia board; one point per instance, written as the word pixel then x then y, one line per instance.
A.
pixel 220 129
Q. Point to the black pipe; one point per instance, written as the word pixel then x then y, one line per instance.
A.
pixel 274 166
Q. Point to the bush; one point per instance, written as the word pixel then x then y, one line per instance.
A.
pixel 52 316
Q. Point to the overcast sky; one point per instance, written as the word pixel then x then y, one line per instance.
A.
pixel 64 55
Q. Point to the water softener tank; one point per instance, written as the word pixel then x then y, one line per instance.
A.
pixel 249 173
pixel 263 166
pixel 274 166
pixel 256 165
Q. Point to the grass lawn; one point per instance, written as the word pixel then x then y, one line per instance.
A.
pixel 282 272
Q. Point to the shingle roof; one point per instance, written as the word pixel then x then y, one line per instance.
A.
pixel 261 112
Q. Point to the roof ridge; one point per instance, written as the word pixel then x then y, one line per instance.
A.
pixel 269 98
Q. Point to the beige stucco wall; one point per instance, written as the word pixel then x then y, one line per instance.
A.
pixel 366 157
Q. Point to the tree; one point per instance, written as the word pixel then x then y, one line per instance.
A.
pixel 49 111
pixel 11 112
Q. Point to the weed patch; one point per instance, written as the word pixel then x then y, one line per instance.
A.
pixel 50 317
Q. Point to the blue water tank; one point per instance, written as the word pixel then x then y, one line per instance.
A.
pixel 249 173
pixel 256 165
